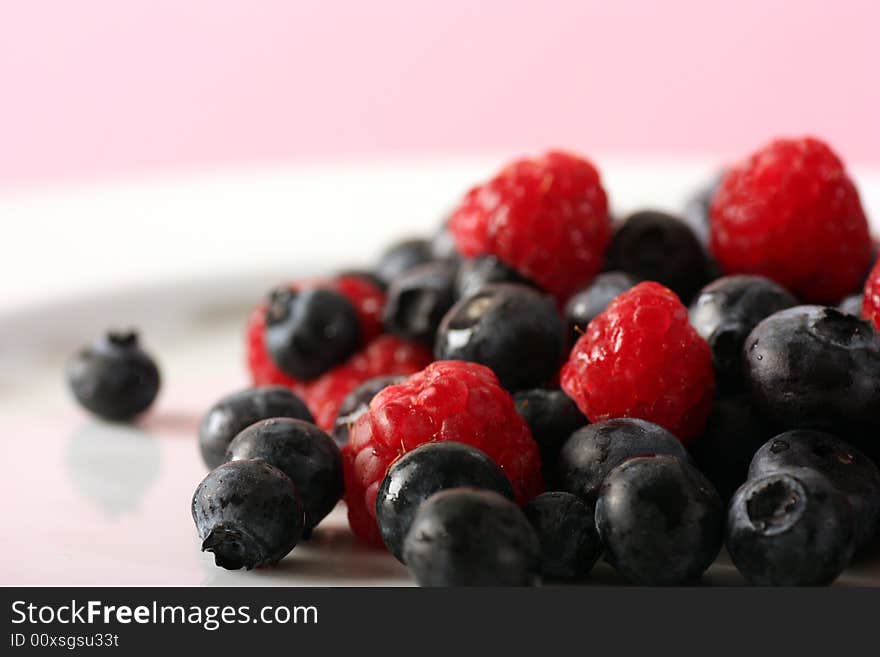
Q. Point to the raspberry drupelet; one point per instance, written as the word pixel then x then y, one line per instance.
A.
pixel 546 217
pixel 448 400
pixel 641 358
pixel 790 212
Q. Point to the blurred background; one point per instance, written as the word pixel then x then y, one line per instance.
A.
pixel 226 134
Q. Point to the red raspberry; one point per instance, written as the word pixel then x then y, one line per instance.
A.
pixel 448 400
pixel 365 296
pixel 791 213
pixel 871 297
pixel 386 355
pixel 642 358
pixel 545 217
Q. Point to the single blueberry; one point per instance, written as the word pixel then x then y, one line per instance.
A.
pixel 660 520
pixel 654 246
pixel 470 537
pixel 791 528
pixel 248 514
pixel 310 331
pixel 113 377
pixel 512 329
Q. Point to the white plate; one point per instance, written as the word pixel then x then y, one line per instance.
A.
pixel 86 502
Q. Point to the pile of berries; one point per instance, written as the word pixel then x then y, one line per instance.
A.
pixel 537 386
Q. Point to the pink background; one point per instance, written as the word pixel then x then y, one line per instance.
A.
pixel 97 87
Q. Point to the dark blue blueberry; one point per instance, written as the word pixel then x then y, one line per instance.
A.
pixel 852 305
pixel 591 453
pixel 512 329
pixel 113 377
pixel 733 434
pixel 566 529
pixel 470 537
pixel 310 331
pixel 248 514
pixel 791 528
pixel 303 452
pixel 553 417
pixel 660 520
pixel 654 246
pixel 357 402
pixel 583 306
pixel 476 273
pixel 418 299
pixel 813 367
pixel 401 257
pixel 232 414
pixel 726 311
pixel 426 470
pixel 845 467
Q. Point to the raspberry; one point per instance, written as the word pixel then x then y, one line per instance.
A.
pixel 386 355
pixel 641 358
pixel 545 217
pixel 448 400
pixel 791 213
pixel 871 298
pixel 365 296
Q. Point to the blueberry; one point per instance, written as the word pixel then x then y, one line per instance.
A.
pixel 845 467
pixel 726 311
pixel 851 305
pixel 553 417
pixel 357 402
pixel 812 367
pixel 654 246
pixel 512 329
pixel 232 414
pixel 310 331
pixel 476 273
pixel 248 514
pixel 591 453
pixel 583 306
pixel 113 377
pixel 566 529
pixel 469 537
pixel 733 434
pixel 307 455
pixel 418 299
pixel 660 520
pixel 420 473
pixel 401 257
pixel 790 529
